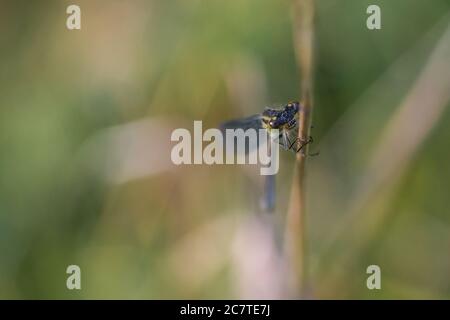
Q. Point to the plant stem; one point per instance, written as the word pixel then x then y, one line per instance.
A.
pixel 295 233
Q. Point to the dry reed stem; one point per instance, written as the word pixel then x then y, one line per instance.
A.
pixel 295 233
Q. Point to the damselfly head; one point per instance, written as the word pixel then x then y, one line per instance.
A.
pixel 280 118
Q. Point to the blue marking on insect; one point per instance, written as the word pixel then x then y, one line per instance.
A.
pixel 278 118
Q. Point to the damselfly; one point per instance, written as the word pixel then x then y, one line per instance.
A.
pixel 285 119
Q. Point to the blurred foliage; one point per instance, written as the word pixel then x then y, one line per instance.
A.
pixel 170 234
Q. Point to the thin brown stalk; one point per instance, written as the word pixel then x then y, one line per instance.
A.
pixel 295 233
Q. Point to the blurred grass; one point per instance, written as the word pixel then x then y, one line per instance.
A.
pixel 172 233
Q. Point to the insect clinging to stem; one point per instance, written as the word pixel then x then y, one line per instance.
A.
pixel 284 119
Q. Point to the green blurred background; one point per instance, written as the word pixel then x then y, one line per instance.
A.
pixel 85 171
